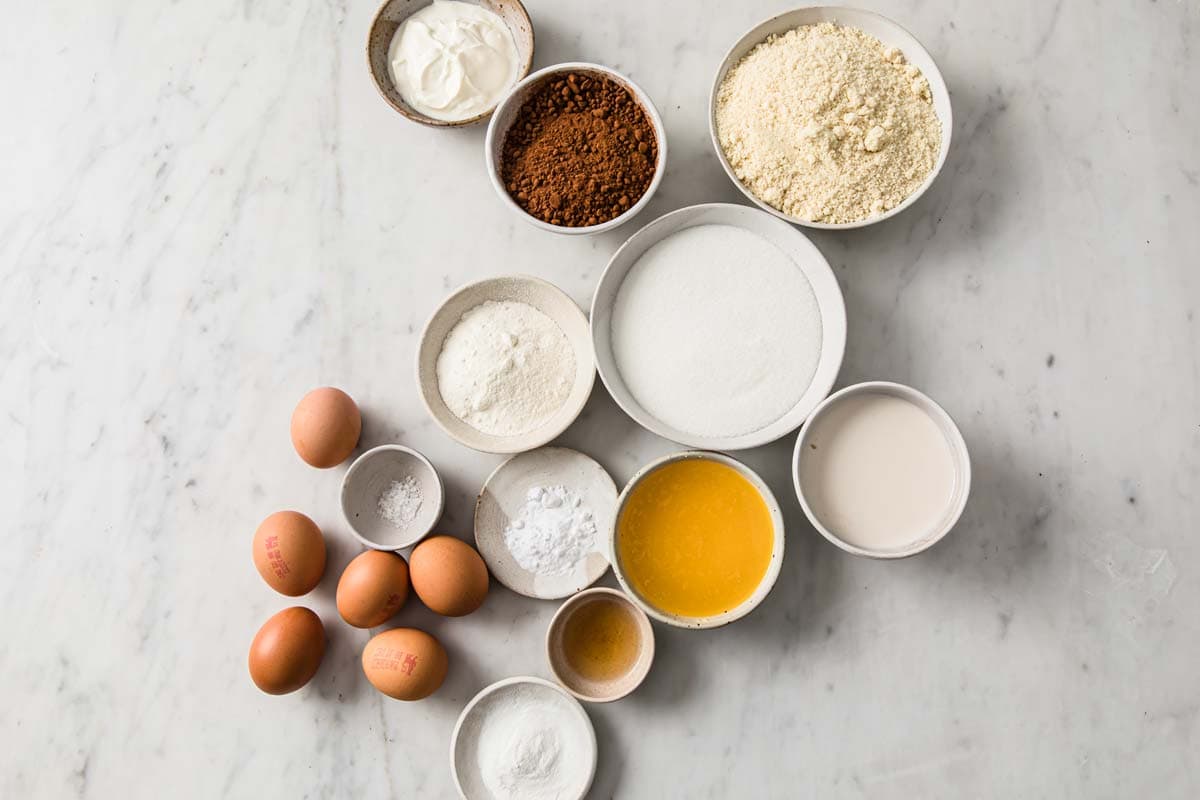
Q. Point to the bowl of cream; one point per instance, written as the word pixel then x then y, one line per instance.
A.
pixel 448 63
pixel 881 470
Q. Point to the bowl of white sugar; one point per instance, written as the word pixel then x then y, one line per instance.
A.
pixel 830 117
pixel 505 364
pixel 719 327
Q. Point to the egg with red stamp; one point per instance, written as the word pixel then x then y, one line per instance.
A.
pixel 405 663
pixel 289 553
pixel 373 587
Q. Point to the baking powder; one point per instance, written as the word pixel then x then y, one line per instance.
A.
pixel 553 532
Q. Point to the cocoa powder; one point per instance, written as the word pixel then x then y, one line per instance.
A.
pixel 581 151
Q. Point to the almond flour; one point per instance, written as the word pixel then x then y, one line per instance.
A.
pixel 827 124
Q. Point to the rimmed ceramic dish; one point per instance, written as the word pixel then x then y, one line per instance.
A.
pixel 769 577
pixel 505 492
pixel 795 245
pixel 546 298
pixel 392 14
pixel 464 741
pixel 370 476
pixel 506 114
pixel 954 440
pixel 883 29
pixel 593 691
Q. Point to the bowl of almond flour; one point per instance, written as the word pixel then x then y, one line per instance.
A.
pixel 830 117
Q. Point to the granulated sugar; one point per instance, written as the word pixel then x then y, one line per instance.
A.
pixel 716 331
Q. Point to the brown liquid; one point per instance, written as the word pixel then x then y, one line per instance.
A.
pixel 601 640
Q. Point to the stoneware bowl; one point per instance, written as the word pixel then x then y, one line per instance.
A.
pixel 804 254
pixel 369 476
pixel 881 28
pixel 578 685
pixel 506 114
pixel 464 741
pixel 392 14
pixel 958 449
pixel 764 586
pixel 504 494
pixel 543 296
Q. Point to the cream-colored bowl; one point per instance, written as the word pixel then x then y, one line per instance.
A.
pixel 769 577
pixel 546 298
pixel 883 29
pixel 580 686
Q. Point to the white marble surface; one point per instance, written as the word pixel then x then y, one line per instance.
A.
pixel 207 211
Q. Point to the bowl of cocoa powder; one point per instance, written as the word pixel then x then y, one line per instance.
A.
pixel 576 148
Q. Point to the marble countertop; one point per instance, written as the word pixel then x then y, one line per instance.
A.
pixel 208 211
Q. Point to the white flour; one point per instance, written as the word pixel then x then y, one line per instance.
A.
pixel 553 532
pixel 505 368
pixel 716 331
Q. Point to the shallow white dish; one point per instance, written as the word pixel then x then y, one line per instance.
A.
pixel 804 254
pixel 369 476
pixel 765 585
pixel 501 499
pixel 958 449
pixel 883 29
pixel 545 297
pixel 506 113
pixel 465 738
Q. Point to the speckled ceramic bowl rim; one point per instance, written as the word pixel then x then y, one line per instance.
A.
pixel 352 473
pixel 624 684
pixel 764 586
pixel 962 464
pixel 756 34
pixel 417 116
pixel 504 683
pixel 495 139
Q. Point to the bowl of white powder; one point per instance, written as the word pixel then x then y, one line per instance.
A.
pixel 719 327
pixel 391 497
pixel 505 364
pixel 830 117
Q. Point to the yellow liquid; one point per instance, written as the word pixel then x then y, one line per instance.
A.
pixel 695 538
pixel 601 640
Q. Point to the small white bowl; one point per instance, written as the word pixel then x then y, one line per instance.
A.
pixel 958 448
pixel 592 691
pixel 546 298
pixel 768 579
pixel 883 29
pixel 796 245
pixel 464 741
pixel 369 476
pixel 506 113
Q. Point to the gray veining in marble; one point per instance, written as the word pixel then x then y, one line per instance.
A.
pixel 207 211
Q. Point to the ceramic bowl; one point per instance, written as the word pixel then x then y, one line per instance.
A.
pixel 464 741
pixel 543 296
pixel 792 242
pixel 768 579
pixel 578 685
pixel 506 114
pixel 367 479
pixel 958 448
pixel 392 14
pixel 881 28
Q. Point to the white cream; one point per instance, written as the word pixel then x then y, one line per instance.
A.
pixel 452 60
pixel 877 471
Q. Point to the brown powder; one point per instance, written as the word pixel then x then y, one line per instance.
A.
pixel 581 151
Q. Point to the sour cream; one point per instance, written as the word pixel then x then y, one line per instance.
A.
pixel 453 60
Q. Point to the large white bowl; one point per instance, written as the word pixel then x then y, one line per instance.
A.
pixel 804 254
pixel 506 113
pixel 883 29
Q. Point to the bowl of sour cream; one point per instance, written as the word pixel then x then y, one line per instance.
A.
pixel 448 63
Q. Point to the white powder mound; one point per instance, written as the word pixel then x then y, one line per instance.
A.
pixel 553 533
pixel 716 331
pixel 505 368
pixel 400 502
pixel 826 124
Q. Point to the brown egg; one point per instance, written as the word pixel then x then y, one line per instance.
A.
pixel 405 663
pixel 289 553
pixel 373 587
pixel 287 651
pixel 448 575
pixel 325 427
